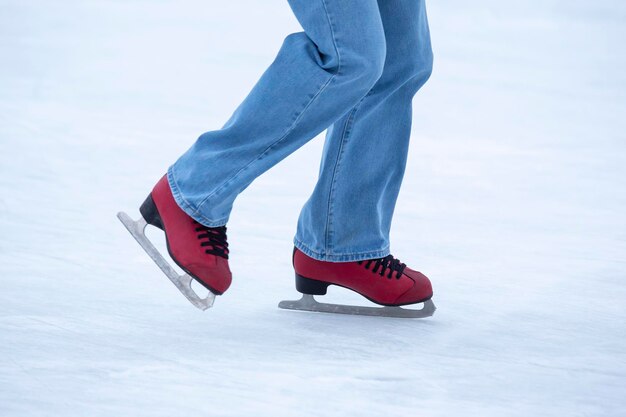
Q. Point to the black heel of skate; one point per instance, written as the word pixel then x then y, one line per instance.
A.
pixel 150 213
pixel 310 286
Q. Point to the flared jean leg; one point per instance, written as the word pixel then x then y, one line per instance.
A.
pixel 317 76
pixel 348 216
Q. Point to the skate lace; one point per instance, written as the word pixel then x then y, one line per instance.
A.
pixel 387 263
pixel 215 237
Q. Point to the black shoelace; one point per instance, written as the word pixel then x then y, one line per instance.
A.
pixel 215 237
pixel 387 263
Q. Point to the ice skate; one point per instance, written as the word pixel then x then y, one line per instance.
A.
pixel 200 251
pixel 385 281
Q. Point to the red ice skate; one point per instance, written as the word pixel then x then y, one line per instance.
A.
pixel 200 251
pixel 385 281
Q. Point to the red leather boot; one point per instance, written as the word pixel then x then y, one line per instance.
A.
pixel 200 251
pixel 384 281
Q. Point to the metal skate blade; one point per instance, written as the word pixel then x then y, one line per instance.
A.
pixel 308 303
pixel 182 282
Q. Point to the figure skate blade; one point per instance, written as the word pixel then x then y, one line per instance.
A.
pixel 182 282
pixel 308 303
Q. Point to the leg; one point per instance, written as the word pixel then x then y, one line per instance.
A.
pixel 348 216
pixel 318 75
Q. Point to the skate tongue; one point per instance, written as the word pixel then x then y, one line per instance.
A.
pixel 385 263
pixel 215 238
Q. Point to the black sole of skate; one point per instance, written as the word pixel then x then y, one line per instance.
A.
pixel 150 213
pixel 311 286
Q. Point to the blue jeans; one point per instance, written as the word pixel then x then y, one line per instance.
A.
pixel 354 70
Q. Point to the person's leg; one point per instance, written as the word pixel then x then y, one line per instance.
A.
pixel 348 216
pixel 318 75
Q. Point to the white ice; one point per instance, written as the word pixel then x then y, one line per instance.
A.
pixel 514 204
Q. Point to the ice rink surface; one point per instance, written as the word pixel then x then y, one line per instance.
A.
pixel 514 203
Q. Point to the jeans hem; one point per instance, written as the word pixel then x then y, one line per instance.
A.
pixel 346 257
pixel 189 209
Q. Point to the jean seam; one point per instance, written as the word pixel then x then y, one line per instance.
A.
pixel 176 193
pixel 333 36
pixel 329 209
pixel 342 141
pixel 293 125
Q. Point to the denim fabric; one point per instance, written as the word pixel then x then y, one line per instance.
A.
pixel 354 70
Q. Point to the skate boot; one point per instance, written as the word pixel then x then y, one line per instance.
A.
pixel 200 251
pixel 385 281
